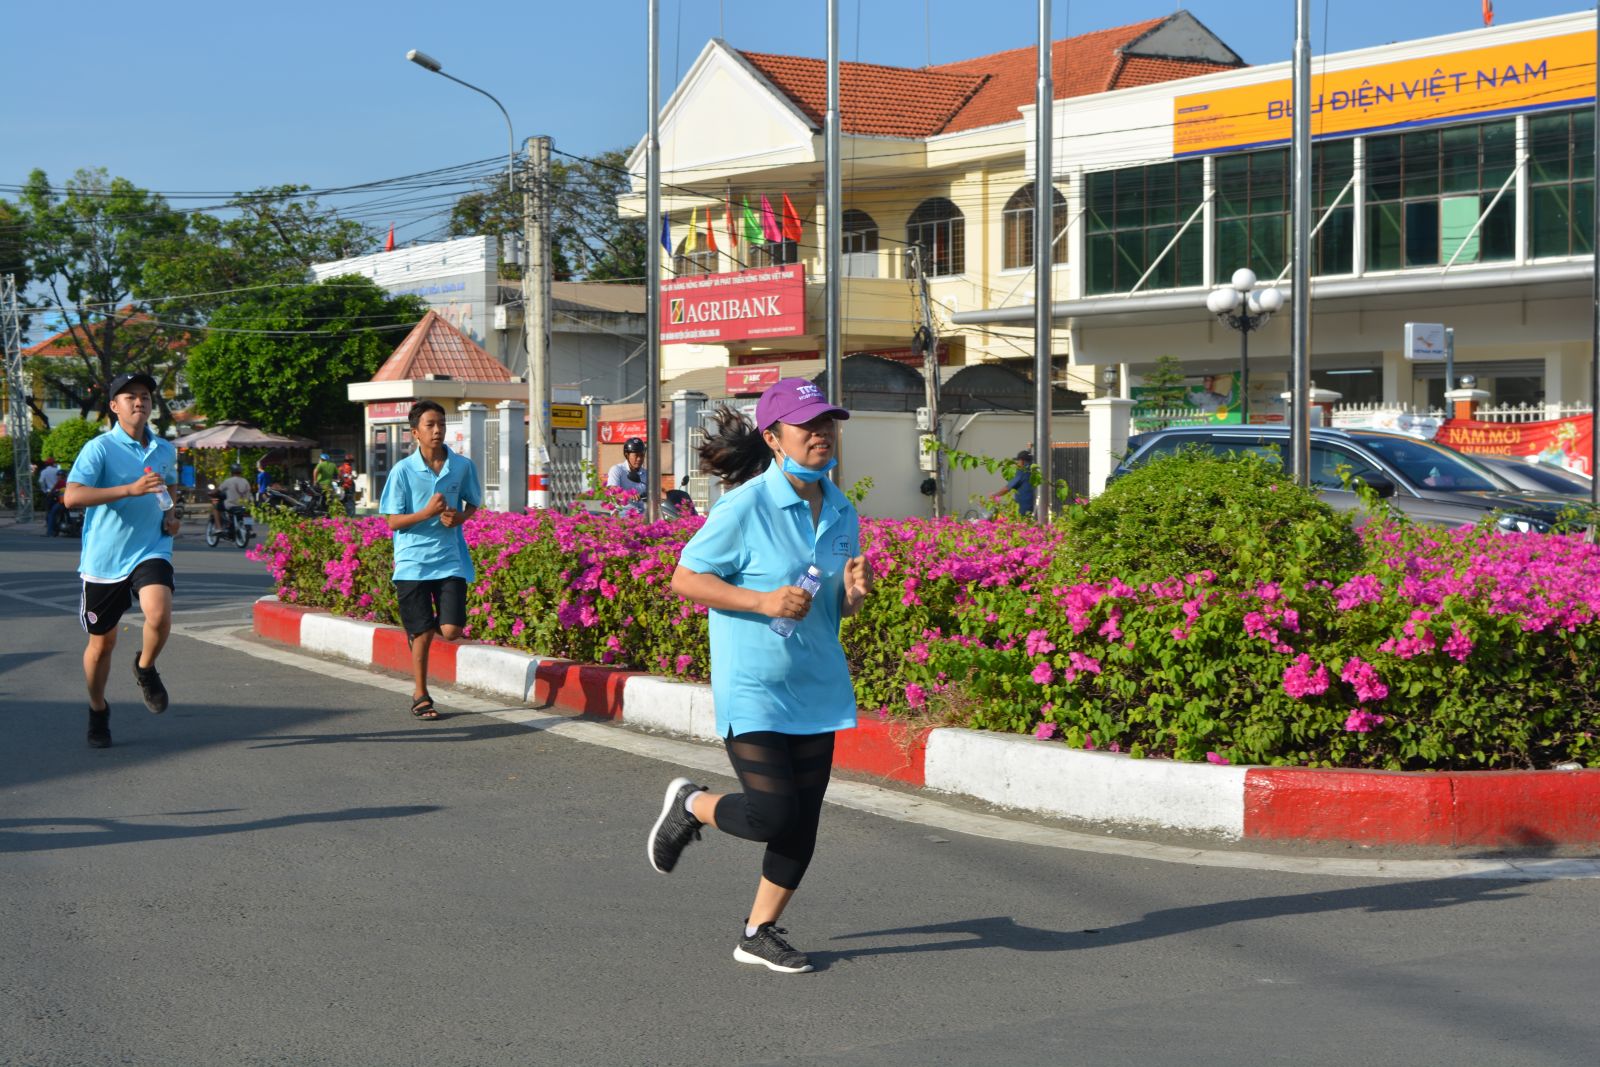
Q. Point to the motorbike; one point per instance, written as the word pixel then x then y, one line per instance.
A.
pixel 70 524
pixel 238 525
pixel 304 499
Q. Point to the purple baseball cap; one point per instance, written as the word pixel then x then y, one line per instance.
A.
pixel 793 400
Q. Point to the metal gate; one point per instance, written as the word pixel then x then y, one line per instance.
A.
pixel 491 456
pixel 566 476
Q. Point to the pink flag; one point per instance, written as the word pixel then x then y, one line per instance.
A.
pixel 769 222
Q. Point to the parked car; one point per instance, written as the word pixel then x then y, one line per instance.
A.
pixel 1531 476
pixel 1427 481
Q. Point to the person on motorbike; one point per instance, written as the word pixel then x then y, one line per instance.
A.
pixel 630 475
pixel 234 492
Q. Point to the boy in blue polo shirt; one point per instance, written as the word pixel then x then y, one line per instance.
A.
pixel 426 498
pixel 120 478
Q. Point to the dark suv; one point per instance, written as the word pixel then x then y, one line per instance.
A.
pixel 1424 480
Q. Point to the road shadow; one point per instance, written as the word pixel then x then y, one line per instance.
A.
pixel 424 732
pixel 32 835
pixel 10 661
pixel 1004 932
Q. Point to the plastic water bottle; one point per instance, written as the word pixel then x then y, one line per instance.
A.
pixel 163 498
pixel 810 581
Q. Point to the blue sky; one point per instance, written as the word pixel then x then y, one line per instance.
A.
pixel 181 95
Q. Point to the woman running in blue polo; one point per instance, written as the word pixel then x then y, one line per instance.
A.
pixel 778 699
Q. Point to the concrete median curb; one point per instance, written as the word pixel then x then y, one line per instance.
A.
pixel 1478 809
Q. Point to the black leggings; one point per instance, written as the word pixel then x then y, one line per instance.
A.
pixel 784 778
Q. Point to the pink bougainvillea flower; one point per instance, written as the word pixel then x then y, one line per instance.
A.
pixel 1045 731
pixel 1361 721
pixel 1300 680
pixel 1212 757
pixel 1458 644
pixel 1043 673
pixel 916 696
pixel 1039 643
pixel 1363 678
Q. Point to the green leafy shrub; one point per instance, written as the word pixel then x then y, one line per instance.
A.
pixel 1237 515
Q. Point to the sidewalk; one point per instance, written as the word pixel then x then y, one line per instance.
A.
pixel 1480 809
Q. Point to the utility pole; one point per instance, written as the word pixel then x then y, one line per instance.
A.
pixel 536 316
pixel 1044 213
pixel 928 341
pixel 17 421
pixel 1300 293
pixel 652 269
pixel 833 233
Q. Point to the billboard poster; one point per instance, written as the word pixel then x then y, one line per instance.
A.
pixel 763 302
pixel 1558 442
pixel 1501 79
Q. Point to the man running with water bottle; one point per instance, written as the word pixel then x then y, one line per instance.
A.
pixel 120 478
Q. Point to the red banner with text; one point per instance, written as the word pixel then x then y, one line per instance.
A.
pixel 616 431
pixel 1560 442
pixel 713 308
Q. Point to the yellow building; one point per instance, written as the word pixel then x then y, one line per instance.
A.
pixel 935 168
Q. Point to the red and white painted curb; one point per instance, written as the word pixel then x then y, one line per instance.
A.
pixel 1452 809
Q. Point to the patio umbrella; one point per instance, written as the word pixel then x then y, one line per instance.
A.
pixel 236 435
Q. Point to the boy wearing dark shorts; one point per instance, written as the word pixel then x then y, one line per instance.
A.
pixel 119 478
pixel 426 498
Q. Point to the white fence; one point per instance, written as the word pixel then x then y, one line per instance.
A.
pixel 1381 413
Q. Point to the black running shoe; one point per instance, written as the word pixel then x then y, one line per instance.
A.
pixel 674 827
pixel 769 949
pixel 100 728
pixel 155 694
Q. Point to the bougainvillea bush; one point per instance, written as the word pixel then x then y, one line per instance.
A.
pixel 1311 643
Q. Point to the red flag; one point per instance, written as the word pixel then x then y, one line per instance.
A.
pixel 727 217
pixel 791 221
pixel 388 246
pixel 1488 12
pixel 711 237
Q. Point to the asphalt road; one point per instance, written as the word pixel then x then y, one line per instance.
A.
pixel 287 869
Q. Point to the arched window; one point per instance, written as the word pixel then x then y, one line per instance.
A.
pixel 859 232
pixel 1017 229
pixel 940 230
pixel 701 259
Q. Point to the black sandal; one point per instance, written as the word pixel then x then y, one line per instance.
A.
pixel 423 708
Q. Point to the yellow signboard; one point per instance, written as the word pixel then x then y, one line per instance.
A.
pixel 569 417
pixel 1502 79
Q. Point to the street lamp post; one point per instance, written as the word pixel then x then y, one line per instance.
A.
pixel 1241 306
pixel 427 62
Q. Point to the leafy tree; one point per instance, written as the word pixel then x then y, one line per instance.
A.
pixel 280 358
pixel 271 236
pixel 1164 386
pixel 589 238
pixel 89 244
pixel 66 439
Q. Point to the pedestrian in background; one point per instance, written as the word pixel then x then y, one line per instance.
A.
pixel 779 699
pixel 1021 484
pixel 630 475
pixel 426 498
pixel 120 478
pixel 263 478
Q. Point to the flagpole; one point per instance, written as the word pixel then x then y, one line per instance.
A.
pixel 1044 202
pixel 832 236
pixel 652 270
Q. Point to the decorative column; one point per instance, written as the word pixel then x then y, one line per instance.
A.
pixel 1109 420
pixel 687 404
pixel 513 457
pixel 473 415
pixel 1464 401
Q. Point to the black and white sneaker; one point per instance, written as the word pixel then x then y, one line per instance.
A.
pixel 674 827
pixel 769 949
pixel 100 728
pixel 155 694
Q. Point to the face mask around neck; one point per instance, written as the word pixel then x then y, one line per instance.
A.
pixel 807 474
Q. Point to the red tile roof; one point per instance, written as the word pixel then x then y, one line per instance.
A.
pixel 61 345
pixel 970 93
pixel 435 347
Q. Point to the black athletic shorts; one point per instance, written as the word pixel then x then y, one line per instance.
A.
pixel 429 604
pixel 101 604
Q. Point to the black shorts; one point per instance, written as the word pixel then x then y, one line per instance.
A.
pixel 429 604
pixel 101 604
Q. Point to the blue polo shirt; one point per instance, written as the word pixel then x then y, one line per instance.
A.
pixel 119 536
pixel 430 549
pixel 1021 486
pixel 759 536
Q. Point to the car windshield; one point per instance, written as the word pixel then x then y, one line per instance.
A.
pixel 1429 465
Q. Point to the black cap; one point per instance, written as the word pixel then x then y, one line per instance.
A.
pixel 1025 456
pixel 122 381
pixel 633 444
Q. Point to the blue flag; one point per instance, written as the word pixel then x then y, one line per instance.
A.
pixel 666 233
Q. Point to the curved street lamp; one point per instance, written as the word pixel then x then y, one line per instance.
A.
pixel 428 63
pixel 1241 306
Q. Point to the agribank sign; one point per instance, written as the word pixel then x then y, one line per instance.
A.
pixel 712 308
pixel 1549 72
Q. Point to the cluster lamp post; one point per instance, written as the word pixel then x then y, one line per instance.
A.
pixel 1241 306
